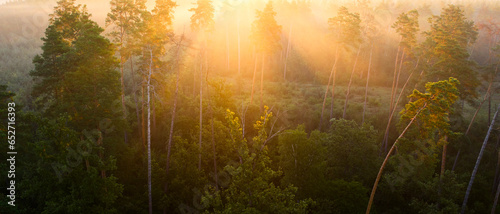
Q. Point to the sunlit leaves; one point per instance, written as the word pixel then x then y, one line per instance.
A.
pixel 265 30
pixel 446 45
pixel 407 26
pixel 203 17
pixel 436 104
pixel 346 27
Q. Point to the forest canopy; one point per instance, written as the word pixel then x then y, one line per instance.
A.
pixel 224 106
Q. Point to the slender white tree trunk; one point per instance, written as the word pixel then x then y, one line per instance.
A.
pixel 379 175
pixel 287 50
pixel 326 91
pixel 350 82
pixel 227 45
pixel 478 161
pixel 254 74
pixel 149 136
pixel 367 81
pixel 262 84
pixel 391 114
pixel 239 53
pixel 493 208
pixel 201 116
pixel 174 108
pixel 487 95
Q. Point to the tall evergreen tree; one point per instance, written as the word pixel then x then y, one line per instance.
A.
pixel 430 109
pixel 407 27
pixel 125 16
pixel 450 35
pixel 265 36
pixel 202 21
pixel 75 76
pixel 349 25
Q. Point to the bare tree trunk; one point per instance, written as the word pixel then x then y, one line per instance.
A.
pixel 397 78
pixel 333 85
pixel 135 97
pixel 174 108
pixel 350 81
pixel 201 116
pixel 379 175
pixel 394 78
pixel 262 84
pixel 143 124
pixel 393 94
pixel 124 108
pixel 497 169
pixel 287 50
pixel 253 79
pixel 213 141
pixel 496 183
pixel 239 53
pixel 154 110
pixel 478 161
pixel 489 109
pixel 227 45
pixel 486 96
pixel 496 200
pixel 326 91
pixel 149 137
pixel 367 81
pixel 195 72
pixel 443 158
pixel 391 113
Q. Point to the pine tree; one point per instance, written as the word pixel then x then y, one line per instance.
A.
pixel 450 35
pixel 350 38
pixel 76 77
pixel 407 27
pixel 265 36
pixel 202 21
pixel 430 110
pixel 125 16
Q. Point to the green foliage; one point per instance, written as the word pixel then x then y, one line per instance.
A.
pixel 203 17
pixel 77 86
pixel 407 26
pixel 251 189
pixel 347 28
pixel 74 159
pixel 436 104
pixel 79 58
pixel 62 175
pixel 429 200
pixel 352 151
pixel 303 159
pixel 447 41
pixel 125 16
pixel 266 33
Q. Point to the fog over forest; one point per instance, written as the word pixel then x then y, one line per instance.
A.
pixel 249 106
